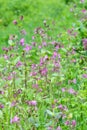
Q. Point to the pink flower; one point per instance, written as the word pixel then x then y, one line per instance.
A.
pixel 32 103
pixel 84 76
pixel 67 122
pixel 27 48
pixel 23 32
pixel 73 123
pixel 1 106
pixel 22 42
pixel 63 89
pixel 59 128
pixel 44 71
pixel 74 81
pixel 60 107
pixel 15 22
pixel 13 103
pixel 82 1
pixel 19 63
pixel 71 91
pixel 5 57
pixel 21 17
pixel 15 119
pixel 84 41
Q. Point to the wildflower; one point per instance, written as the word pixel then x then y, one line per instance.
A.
pixel 32 103
pixel 5 57
pixel 19 63
pixel 71 91
pixel 22 42
pixel 23 32
pixel 60 107
pixel 15 119
pixel 1 106
pixel 84 41
pixel 27 48
pixel 73 123
pixel 74 81
pixel 44 71
pixel 21 17
pixel 13 103
pixel 63 89
pixel 67 122
pixel 14 22
pixel 44 43
pixel 1 92
pixel 84 76
pixel 59 128
pixel 33 37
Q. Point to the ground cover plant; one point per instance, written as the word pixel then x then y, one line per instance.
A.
pixel 43 76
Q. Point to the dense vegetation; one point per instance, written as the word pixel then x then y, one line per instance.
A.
pixel 43 65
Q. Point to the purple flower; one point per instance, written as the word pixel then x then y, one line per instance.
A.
pixel 44 43
pixel 13 103
pixel 32 103
pixel 84 76
pixel 27 48
pixel 22 42
pixel 23 32
pixel 63 89
pixel 15 119
pixel 1 106
pixel 73 123
pixel 19 63
pixel 15 22
pixel 1 92
pixel 67 122
pixel 21 17
pixel 59 128
pixel 84 41
pixel 60 107
pixel 71 91
pixel 44 71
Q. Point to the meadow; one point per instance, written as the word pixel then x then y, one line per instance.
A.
pixel 43 65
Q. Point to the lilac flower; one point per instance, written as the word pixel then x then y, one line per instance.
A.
pixel 9 77
pixel 82 1
pixel 60 107
pixel 13 103
pixel 19 63
pixel 22 42
pixel 33 37
pixel 15 119
pixel 1 106
pixel 1 92
pixel 74 81
pixel 5 57
pixel 27 48
pixel 35 85
pixel 73 123
pixel 44 71
pixel 59 128
pixel 71 91
pixel 32 103
pixel 15 22
pixel 23 32
pixel 67 122
pixel 44 43
pixel 84 11
pixel 33 73
pixel 21 17
pixel 84 76
pixel 84 41
pixel 63 89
